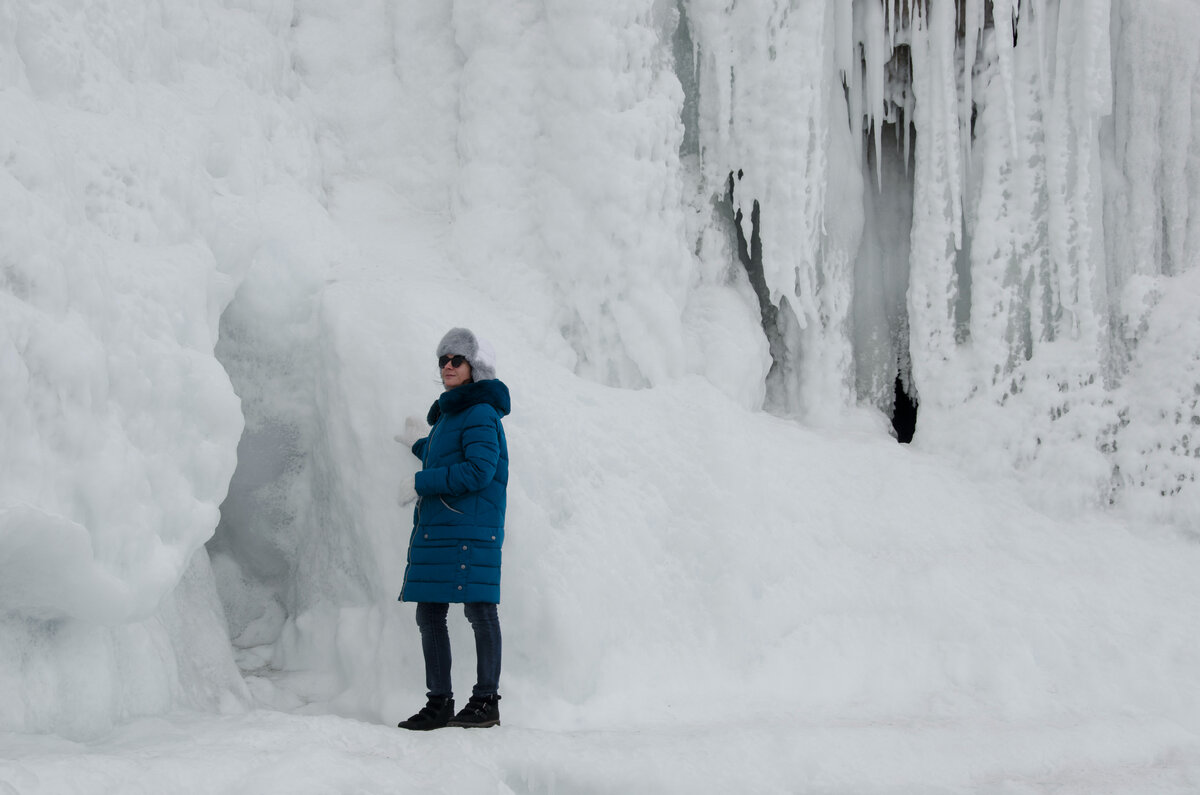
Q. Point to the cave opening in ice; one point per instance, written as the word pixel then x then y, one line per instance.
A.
pixel 884 374
pixel 249 548
pixel 276 522
pixel 904 414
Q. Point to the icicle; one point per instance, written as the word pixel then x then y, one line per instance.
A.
pixel 887 24
pixel 936 224
pixel 875 57
pixel 972 25
pixel 696 59
pixel 845 53
pixel 844 46
pixel 1004 17
pixel 856 107
pixel 908 122
pixel 941 33
pixel 1039 26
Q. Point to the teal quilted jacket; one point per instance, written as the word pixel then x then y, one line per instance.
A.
pixel 458 522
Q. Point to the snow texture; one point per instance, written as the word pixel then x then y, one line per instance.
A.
pixel 707 240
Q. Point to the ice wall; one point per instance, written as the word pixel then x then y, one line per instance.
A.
pixel 568 136
pixel 1023 314
pixel 1013 192
pixel 772 116
pixel 137 146
pixel 1150 145
pixel 576 198
pixel 548 205
pixel 1001 214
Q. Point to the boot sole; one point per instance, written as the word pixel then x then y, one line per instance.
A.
pixel 487 724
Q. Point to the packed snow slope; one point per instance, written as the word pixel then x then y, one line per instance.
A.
pixel 236 231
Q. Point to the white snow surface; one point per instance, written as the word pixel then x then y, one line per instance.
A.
pixel 237 229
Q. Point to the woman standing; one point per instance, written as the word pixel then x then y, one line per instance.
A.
pixel 458 529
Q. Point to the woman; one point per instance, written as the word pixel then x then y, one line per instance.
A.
pixel 458 529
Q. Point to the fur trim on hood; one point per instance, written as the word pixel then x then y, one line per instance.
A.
pixel 492 392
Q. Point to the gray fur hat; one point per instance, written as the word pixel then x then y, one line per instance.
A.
pixel 479 352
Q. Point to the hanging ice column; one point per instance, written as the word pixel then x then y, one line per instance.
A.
pixel 937 234
pixel 1034 326
pixel 772 115
pixel 968 254
pixel 1006 301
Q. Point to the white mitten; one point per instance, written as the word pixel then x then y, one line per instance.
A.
pixel 414 429
pixel 407 491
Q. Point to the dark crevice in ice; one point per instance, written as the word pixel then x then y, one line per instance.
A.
pixel 683 49
pixel 749 253
pixel 904 414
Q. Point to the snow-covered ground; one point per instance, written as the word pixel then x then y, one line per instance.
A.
pixel 860 618
pixel 857 617
pixel 236 231
pixel 770 752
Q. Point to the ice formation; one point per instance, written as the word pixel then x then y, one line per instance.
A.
pixel 985 253
pixel 236 229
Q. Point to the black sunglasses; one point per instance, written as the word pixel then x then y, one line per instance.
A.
pixel 457 361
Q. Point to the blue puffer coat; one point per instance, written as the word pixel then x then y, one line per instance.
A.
pixel 458 524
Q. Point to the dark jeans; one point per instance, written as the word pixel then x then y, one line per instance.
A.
pixel 435 643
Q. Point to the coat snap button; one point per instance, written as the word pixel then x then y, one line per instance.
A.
pixel 463 566
pixel 464 547
pixel 427 535
pixel 460 587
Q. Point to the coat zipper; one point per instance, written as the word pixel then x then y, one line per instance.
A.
pixel 424 463
pixel 417 524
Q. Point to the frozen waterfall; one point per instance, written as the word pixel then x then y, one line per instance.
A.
pixel 716 245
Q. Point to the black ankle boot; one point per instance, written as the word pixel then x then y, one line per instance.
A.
pixel 479 713
pixel 434 715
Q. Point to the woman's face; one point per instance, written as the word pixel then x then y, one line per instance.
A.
pixel 455 376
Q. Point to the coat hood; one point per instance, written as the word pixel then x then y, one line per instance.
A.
pixel 493 392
